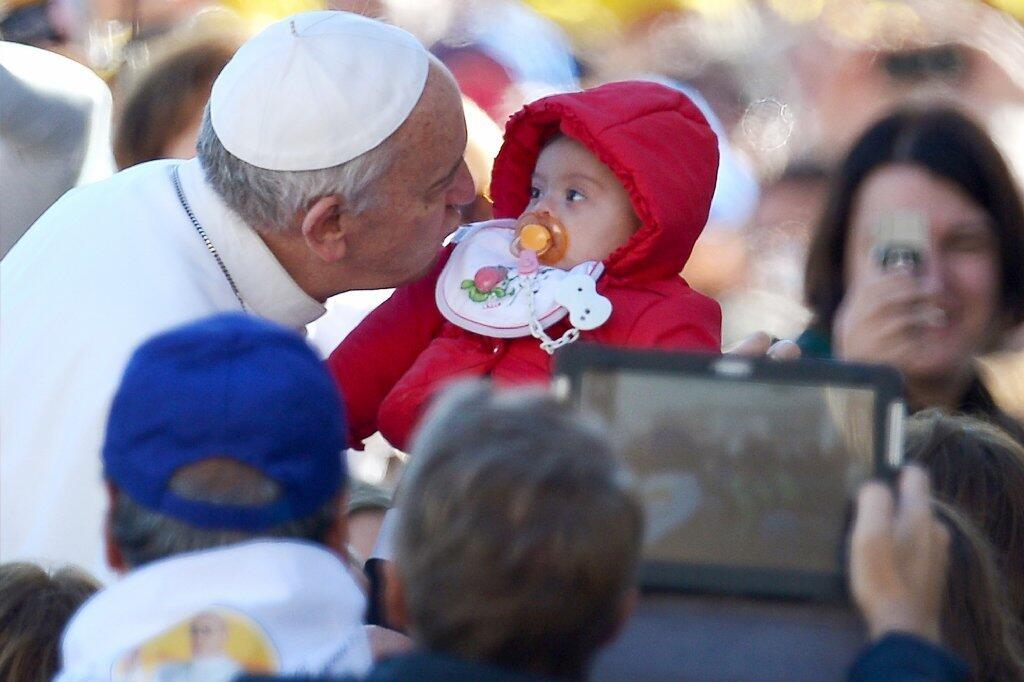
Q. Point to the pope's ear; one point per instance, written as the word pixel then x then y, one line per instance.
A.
pixel 324 227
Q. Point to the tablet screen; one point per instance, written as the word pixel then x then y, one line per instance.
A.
pixel 740 473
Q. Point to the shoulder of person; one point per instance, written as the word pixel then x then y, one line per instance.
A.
pixel 978 402
pixel 814 344
pixel 429 666
pixel 292 678
pixel 899 656
pixel 674 307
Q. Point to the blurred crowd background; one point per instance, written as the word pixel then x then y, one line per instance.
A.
pixel 788 84
pixel 89 87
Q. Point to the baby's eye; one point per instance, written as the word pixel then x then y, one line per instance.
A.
pixel 534 193
pixel 574 195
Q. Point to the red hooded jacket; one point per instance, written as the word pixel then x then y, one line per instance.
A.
pixel 661 148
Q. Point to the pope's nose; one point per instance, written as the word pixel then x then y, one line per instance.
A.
pixel 462 191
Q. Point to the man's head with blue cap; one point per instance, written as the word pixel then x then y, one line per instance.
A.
pixel 223 430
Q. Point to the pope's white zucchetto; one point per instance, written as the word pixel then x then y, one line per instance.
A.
pixel 317 89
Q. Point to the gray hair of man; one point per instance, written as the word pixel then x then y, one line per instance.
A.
pixel 143 535
pixel 520 533
pixel 269 200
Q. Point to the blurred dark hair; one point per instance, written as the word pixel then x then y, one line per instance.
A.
pixel 31 24
pixel 977 622
pixel 947 144
pixel 978 469
pixel 167 96
pixel 804 170
pixel 34 608
pixel 948 62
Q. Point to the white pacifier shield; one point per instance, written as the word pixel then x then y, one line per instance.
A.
pixel 587 308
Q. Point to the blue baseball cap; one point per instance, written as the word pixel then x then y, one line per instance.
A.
pixel 230 386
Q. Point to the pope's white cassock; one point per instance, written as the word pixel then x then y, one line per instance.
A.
pixel 109 265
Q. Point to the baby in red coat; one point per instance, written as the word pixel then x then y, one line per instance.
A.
pixel 611 188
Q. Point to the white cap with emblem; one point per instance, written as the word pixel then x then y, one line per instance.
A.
pixel 317 89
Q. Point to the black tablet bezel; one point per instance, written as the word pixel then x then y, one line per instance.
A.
pixel 574 362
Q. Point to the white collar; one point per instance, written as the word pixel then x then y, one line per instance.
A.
pixel 296 597
pixel 263 283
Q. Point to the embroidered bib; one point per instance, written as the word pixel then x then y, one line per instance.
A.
pixel 480 289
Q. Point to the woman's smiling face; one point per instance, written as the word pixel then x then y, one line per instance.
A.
pixel 961 265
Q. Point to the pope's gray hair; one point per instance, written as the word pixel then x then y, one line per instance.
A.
pixel 268 200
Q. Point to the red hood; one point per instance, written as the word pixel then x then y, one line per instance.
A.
pixel 656 142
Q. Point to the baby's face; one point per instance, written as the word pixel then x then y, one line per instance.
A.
pixel 586 197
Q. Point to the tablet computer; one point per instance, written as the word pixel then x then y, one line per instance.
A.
pixel 747 467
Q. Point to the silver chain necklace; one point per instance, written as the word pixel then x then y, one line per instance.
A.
pixel 206 240
pixel 547 344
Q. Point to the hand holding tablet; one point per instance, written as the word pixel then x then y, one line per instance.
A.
pixel 899 557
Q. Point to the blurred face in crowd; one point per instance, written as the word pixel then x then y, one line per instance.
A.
pixel 585 196
pixel 416 204
pixel 183 144
pixel 778 233
pixel 960 270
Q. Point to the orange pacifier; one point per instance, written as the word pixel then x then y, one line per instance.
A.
pixel 541 233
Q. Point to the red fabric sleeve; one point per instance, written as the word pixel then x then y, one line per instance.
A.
pixel 375 355
pixel 690 323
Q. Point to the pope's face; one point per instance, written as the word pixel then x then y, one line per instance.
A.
pixel 209 634
pixel 418 200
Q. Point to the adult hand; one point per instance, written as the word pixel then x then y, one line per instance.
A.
pixel 760 344
pixel 881 318
pixel 899 555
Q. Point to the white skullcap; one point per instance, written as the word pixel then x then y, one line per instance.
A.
pixel 317 89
